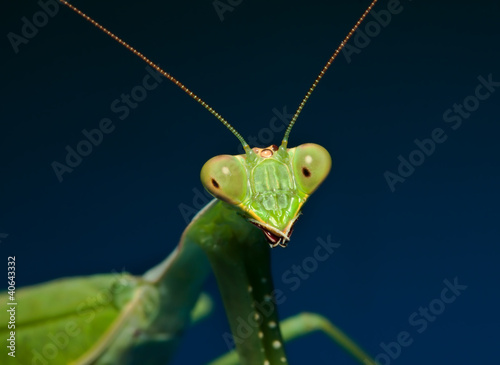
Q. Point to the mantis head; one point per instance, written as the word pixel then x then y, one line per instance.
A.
pixel 268 186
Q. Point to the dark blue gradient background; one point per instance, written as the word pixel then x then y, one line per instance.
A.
pixel 119 210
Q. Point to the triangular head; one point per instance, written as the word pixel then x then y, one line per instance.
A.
pixel 268 186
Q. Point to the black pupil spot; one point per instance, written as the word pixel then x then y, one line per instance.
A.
pixel 306 172
pixel 215 183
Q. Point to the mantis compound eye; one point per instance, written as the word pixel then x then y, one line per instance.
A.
pixel 225 178
pixel 311 164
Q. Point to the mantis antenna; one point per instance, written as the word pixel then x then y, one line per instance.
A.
pixel 321 74
pixel 199 100
pixel 161 71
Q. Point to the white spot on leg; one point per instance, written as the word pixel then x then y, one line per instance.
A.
pixel 276 344
pixel 267 298
pixel 250 289
pixel 256 316
pixel 266 362
pixel 283 359
pixel 261 335
pixel 272 324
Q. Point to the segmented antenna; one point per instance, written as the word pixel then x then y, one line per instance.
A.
pixel 160 70
pixel 315 83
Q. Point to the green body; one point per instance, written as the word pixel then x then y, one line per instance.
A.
pixel 123 319
pixel 111 318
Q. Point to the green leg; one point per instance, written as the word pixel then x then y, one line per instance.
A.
pixel 202 308
pixel 303 324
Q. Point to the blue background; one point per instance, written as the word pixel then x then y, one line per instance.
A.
pixel 119 209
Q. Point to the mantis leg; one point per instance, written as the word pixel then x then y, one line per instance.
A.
pixel 302 324
pixel 202 308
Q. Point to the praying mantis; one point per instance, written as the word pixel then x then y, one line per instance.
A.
pixel 243 246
